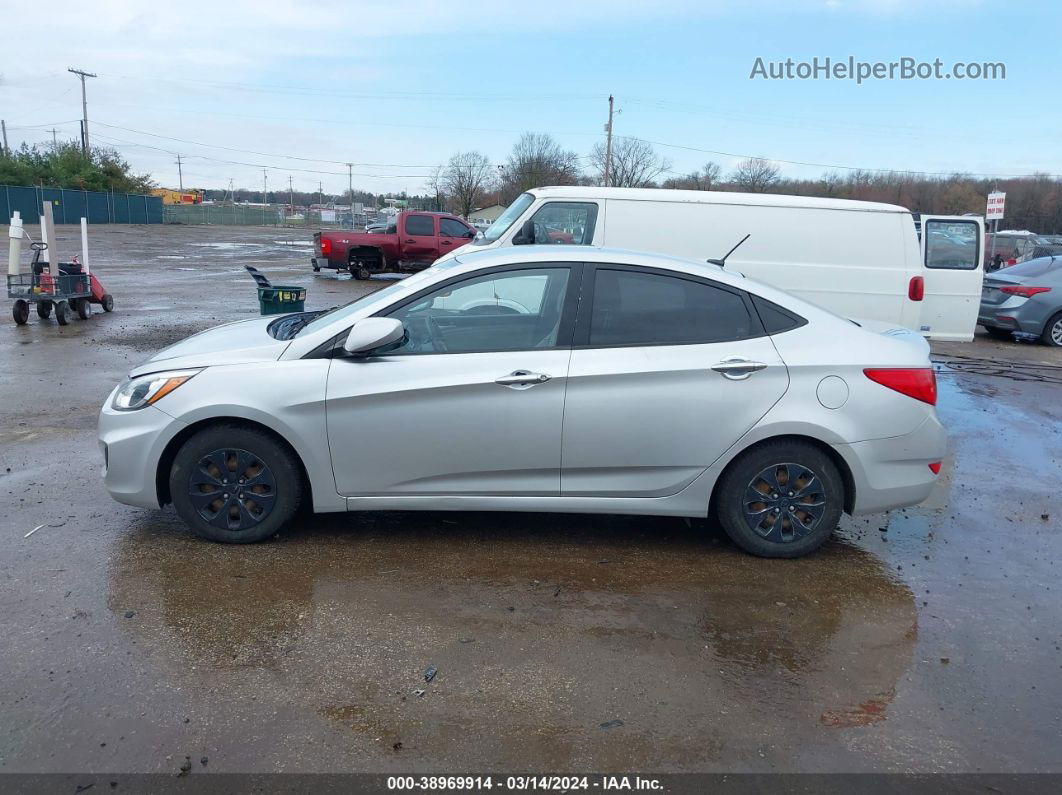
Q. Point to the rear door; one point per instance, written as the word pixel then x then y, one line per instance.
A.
pixel 667 372
pixel 952 249
pixel 419 238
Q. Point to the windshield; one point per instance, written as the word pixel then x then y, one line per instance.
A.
pixel 505 220
pixel 407 285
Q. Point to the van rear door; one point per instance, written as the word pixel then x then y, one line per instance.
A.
pixel 952 253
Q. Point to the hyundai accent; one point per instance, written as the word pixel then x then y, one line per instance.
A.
pixel 560 378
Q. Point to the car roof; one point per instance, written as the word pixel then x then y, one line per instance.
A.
pixel 712 197
pixel 471 261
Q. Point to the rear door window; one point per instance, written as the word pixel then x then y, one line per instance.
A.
pixel 641 308
pixel 952 245
pixel 420 225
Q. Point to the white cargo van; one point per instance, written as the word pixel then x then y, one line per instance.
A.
pixel 858 259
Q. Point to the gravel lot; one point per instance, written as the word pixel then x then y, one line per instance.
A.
pixel 920 640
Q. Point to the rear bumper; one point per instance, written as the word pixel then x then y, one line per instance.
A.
pixel 1015 314
pixel 894 472
pixel 321 262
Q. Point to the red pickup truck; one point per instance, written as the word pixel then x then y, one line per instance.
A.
pixel 413 242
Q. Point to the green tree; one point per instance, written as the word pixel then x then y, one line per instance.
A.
pixel 64 166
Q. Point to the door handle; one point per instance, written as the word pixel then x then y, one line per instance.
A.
pixel 522 378
pixel 737 369
pixel 409 240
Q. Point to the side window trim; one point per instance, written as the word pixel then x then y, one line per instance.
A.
pixel 568 313
pixel 581 340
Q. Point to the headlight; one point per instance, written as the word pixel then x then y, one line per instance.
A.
pixel 146 389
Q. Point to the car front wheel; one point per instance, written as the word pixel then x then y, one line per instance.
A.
pixel 236 485
pixel 780 499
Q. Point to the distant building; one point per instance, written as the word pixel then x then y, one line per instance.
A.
pixel 485 216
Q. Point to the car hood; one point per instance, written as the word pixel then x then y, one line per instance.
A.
pixel 242 342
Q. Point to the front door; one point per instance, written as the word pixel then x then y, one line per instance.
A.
pixel 472 403
pixel 954 273
pixel 667 372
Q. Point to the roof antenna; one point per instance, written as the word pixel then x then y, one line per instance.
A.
pixel 722 262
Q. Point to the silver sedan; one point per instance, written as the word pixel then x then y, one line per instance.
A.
pixel 552 379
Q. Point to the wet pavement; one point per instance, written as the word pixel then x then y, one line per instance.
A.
pixel 928 639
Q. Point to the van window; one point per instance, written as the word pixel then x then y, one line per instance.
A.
pixel 505 220
pixel 420 225
pixel 637 308
pixel 952 245
pixel 570 223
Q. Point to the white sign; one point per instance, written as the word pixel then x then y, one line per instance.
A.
pixel 995 206
pixel 328 216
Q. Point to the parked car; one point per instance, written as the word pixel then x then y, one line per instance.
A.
pixel 1024 298
pixel 682 390
pixel 852 257
pixel 410 241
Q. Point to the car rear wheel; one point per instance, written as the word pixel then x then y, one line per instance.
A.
pixel 235 485
pixel 1052 334
pixel 780 499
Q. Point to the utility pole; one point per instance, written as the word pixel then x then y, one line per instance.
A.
pixel 608 146
pixel 265 183
pixel 55 141
pixel 180 174
pixel 291 193
pixel 3 127
pixel 320 193
pixel 84 109
pixel 350 190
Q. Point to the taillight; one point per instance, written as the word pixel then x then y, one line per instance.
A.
pixel 326 246
pixel 1027 292
pixel 919 383
pixel 916 289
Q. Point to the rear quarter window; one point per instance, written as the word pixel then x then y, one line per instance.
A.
pixel 775 319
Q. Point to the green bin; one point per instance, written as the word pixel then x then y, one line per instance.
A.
pixel 280 300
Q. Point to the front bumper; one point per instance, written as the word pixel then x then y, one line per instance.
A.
pixel 132 443
pixel 894 472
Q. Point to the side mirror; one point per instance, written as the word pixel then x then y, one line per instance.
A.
pixel 526 237
pixel 470 234
pixel 374 335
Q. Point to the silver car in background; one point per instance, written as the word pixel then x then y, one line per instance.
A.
pixel 559 378
pixel 1024 298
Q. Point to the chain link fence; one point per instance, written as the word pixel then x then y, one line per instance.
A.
pixel 279 215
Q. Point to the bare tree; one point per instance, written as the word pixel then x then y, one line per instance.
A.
pixel 703 179
pixel 635 163
pixel 465 179
pixel 536 160
pixel 435 186
pixel 755 175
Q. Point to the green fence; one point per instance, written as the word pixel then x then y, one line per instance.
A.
pixel 70 206
pixel 229 214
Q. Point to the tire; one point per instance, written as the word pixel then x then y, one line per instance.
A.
pixel 20 311
pixel 999 333
pixel 1052 333
pixel 107 302
pixel 766 465
pixel 44 309
pixel 84 309
pixel 197 475
pixel 62 312
pixel 359 272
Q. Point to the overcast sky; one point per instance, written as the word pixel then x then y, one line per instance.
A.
pixel 396 87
